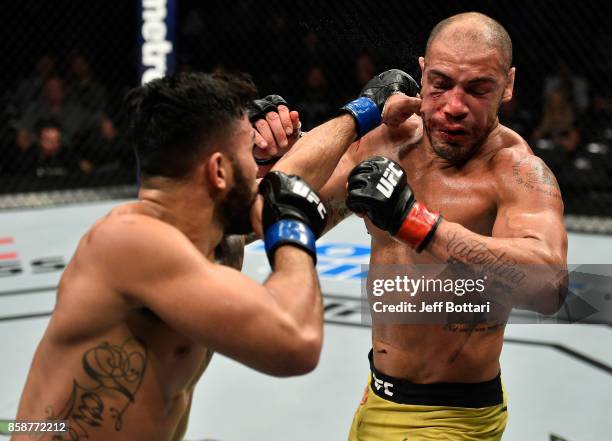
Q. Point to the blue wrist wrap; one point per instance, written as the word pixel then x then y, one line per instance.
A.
pixel 366 114
pixel 289 232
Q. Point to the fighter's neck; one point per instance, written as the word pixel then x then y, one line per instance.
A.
pixel 184 210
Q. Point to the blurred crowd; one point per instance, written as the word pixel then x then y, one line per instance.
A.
pixel 58 121
pixel 565 118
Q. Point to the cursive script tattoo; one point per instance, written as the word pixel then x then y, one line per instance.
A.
pixel 470 257
pixel 535 176
pixel 467 330
pixel 469 250
pixel 111 372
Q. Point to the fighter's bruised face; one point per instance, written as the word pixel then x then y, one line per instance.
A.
pixel 235 207
pixel 462 89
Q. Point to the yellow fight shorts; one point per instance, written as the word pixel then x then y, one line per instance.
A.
pixel 399 410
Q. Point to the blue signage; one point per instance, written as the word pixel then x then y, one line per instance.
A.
pixel 156 38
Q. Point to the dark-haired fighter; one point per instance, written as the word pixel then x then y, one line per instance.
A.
pixel 498 202
pixel 142 306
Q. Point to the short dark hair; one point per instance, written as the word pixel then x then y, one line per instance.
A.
pixel 172 118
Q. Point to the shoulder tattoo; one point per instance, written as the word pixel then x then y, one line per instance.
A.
pixel 535 176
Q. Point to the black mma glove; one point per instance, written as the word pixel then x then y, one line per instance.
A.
pixel 367 109
pixel 293 214
pixel 377 187
pixel 257 109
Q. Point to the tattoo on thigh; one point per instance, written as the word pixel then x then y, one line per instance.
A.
pixel 111 372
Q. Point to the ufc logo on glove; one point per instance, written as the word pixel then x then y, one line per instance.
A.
pixel 388 181
pixel 303 190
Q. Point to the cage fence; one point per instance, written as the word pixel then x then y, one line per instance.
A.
pixel 68 65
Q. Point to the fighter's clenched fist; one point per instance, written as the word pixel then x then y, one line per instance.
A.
pixel 377 187
pixel 369 107
pixel 293 213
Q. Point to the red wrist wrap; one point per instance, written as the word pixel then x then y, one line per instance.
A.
pixel 418 227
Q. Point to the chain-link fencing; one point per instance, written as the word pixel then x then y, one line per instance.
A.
pixel 81 57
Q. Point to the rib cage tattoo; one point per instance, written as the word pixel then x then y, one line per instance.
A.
pixel 111 372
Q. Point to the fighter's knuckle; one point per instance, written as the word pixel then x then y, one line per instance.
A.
pixel 261 124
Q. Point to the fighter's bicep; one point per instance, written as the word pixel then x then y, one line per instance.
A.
pixel 201 301
pixel 218 307
pixel 519 222
pixel 334 188
pixel 154 266
pixel 530 204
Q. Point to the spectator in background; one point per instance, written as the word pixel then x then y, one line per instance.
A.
pixel 29 90
pixel 365 69
pixel 84 90
pixel 74 119
pixel 361 65
pixel 105 154
pixel 558 123
pixel 49 155
pixel 575 87
pixel 596 123
pixel 82 86
pixel 312 51
pixel 315 104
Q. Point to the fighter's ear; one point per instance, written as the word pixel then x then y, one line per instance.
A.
pixel 422 65
pixel 217 171
pixel 509 87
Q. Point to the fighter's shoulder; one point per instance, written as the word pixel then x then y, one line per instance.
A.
pixel 517 170
pixel 512 150
pixel 129 237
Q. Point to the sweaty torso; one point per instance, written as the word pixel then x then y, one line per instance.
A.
pixel 112 370
pixel 431 353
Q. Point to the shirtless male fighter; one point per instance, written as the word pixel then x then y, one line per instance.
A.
pixel 435 381
pixel 142 305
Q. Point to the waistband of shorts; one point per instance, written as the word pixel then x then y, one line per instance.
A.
pixel 470 395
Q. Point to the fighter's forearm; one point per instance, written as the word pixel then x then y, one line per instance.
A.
pixel 295 288
pixel 315 156
pixel 337 211
pixel 522 270
pixel 453 241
